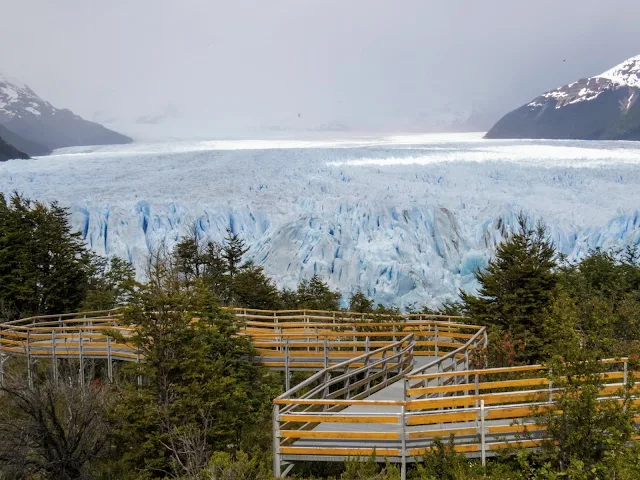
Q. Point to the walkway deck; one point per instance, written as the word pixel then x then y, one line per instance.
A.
pixel 389 384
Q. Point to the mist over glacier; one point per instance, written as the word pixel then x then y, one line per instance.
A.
pixel 407 218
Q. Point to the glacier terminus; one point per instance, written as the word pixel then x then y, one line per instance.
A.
pixel 407 219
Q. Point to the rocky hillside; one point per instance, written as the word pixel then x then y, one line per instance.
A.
pixel 41 127
pixel 603 107
pixel 9 152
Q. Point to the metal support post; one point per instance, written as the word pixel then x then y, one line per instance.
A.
pixel 286 365
pixel 435 341
pixel 275 422
pixel 2 360
pixel 483 443
pixel 355 348
pixel 54 359
pixel 29 365
pixel 477 389
pixel 81 358
pixel 109 360
pixel 139 374
pixel 326 352
pixel 403 440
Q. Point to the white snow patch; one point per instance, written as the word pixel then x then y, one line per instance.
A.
pixel 625 74
pixel 33 111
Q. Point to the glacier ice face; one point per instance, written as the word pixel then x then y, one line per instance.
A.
pixel 407 219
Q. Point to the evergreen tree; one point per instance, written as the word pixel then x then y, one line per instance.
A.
pixel 233 251
pixel 201 391
pixel 189 255
pixel 360 303
pixel 253 289
pixel 289 299
pixel 45 268
pixel 215 268
pixel 111 286
pixel 315 294
pixel 517 287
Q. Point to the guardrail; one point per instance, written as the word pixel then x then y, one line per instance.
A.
pixel 502 408
pixel 321 397
pixel 285 340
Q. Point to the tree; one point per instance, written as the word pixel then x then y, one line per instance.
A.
pixel 54 429
pixel 315 294
pixel 111 286
pixel 189 255
pixel 586 436
pixel 201 392
pixel 517 287
pixel 604 290
pixel 253 289
pixel 233 251
pixel 45 268
pixel 360 303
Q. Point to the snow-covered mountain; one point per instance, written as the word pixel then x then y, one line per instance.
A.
pixel 41 127
pixel 407 219
pixel 601 107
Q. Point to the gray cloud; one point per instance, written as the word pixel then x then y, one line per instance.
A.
pixel 226 66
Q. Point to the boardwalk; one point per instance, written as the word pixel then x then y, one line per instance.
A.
pixel 384 384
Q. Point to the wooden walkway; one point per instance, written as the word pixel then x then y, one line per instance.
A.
pixel 389 384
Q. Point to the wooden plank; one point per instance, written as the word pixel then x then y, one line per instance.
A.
pixel 458 448
pixel 433 418
pixel 287 417
pixel 461 387
pixel 511 412
pixel 526 382
pixel 486 371
pixel 515 428
pixel 443 433
pixel 339 435
pixel 514 444
pixel 347 452
pixel 310 401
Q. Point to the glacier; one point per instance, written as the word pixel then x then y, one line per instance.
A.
pixel 405 218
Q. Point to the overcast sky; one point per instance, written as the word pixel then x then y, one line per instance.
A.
pixel 365 63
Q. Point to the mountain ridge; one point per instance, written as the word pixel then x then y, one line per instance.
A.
pixel 602 107
pixel 40 127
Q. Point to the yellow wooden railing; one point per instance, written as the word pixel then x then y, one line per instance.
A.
pixel 486 410
pixel 284 340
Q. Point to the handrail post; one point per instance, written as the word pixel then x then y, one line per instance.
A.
pixel 139 373
pixel 29 371
pixel 486 345
pixel 109 360
pixel 477 390
pixel 626 373
pixel 403 440
pixel 466 367
pixel 275 422
pixel 54 360
pixel 286 364
pixel 326 352
pixel 81 358
pixel 550 385
pixel 3 357
pixel 454 364
pixel 355 348
pixel 483 444
pixel 435 341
